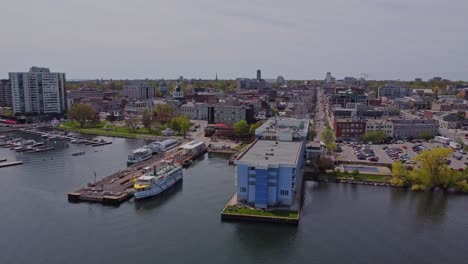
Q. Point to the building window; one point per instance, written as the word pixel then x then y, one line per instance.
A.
pixel 271 184
pixel 294 171
pixel 243 189
pixel 284 192
pixel 251 168
pixel 252 183
pixel 251 175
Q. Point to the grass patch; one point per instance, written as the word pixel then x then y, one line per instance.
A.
pixel 234 209
pixel 360 176
pixel 104 129
pixel 241 146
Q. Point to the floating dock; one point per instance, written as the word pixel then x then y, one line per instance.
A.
pixel 9 164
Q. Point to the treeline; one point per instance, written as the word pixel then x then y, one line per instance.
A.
pixel 432 171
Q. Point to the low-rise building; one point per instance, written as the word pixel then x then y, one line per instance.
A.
pixel 348 96
pixel 384 125
pixel 283 128
pixel 347 129
pixel 229 114
pixel 414 128
pixel 447 120
pixel 267 173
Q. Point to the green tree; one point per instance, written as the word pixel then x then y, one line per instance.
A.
pixel 253 127
pixel 82 113
pixel 426 135
pixel 327 136
pixel 175 125
pixel 400 174
pixel 274 112
pixel 331 147
pixel 241 128
pixel 433 170
pixel 375 136
pixel 184 126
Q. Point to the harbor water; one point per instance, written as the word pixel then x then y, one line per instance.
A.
pixel 339 223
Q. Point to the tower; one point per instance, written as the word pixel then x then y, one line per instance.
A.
pixel 259 75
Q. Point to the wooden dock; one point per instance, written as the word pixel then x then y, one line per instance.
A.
pixel 9 164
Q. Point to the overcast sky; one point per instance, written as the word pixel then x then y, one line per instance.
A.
pixel 386 39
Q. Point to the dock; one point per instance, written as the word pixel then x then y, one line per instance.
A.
pixel 3 159
pixel 9 164
pixel 118 187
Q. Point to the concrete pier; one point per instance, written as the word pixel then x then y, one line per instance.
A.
pixel 9 164
pixel 118 187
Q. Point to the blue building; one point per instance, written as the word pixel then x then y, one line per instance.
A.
pixel 267 172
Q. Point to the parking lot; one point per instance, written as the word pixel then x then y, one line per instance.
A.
pixel 404 149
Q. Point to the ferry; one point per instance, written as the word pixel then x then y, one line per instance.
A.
pixel 139 155
pixel 157 181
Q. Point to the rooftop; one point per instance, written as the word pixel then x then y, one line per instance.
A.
pixel 300 125
pixel 191 145
pixel 269 153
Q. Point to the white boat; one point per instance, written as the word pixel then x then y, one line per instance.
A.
pixel 157 181
pixel 139 155
pixel 155 147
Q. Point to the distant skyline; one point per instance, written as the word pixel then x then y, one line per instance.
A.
pixel 385 39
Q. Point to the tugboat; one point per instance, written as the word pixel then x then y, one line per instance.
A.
pixel 186 163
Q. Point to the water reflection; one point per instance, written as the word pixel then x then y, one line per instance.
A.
pixel 431 206
pixel 266 242
pixel 152 203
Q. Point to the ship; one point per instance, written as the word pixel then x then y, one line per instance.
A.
pixel 157 181
pixel 139 155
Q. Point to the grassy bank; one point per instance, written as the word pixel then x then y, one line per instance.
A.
pixel 360 176
pixel 233 209
pixel 104 129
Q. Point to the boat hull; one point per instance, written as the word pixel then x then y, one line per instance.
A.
pixel 160 188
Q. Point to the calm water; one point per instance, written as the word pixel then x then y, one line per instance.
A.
pixel 340 223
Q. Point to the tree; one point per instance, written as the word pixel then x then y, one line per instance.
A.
pixel 376 136
pixel 426 135
pixel 132 123
pixel 175 125
pixel 274 112
pixel 147 119
pixel 180 124
pixel 253 127
pixel 327 136
pixel 331 147
pixel 400 174
pixel 241 128
pixel 433 170
pixel 164 112
pixel 82 113
pixel 436 93
pixel 184 125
